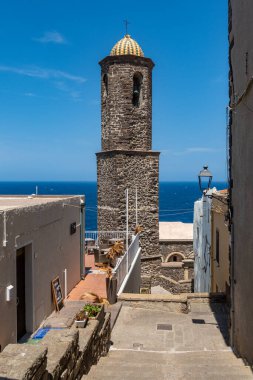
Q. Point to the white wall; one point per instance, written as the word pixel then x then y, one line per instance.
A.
pixel 133 282
pixel 202 243
pixel 44 230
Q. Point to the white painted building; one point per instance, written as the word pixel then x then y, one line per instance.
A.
pixel 202 243
pixel 175 232
pixel 39 240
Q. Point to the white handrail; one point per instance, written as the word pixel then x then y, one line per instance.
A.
pixel 124 264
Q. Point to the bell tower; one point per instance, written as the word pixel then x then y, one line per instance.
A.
pixel 127 159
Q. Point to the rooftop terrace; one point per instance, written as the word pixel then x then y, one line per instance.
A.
pixel 8 202
pixel 175 231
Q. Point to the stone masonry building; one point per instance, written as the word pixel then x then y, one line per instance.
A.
pixel 172 269
pixel 127 159
pixel 240 134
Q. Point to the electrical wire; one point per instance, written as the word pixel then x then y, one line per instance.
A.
pixel 170 210
pixel 177 213
pixel 179 209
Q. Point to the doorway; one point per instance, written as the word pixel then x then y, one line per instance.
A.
pixel 21 294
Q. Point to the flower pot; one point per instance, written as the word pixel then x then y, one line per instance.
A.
pixel 101 314
pixel 103 258
pixel 82 323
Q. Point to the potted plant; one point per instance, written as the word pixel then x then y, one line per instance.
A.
pixel 115 252
pixel 94 311
pixel 81 318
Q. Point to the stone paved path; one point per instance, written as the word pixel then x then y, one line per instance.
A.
pixel 193 348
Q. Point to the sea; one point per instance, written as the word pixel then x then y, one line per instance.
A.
pixel 176 199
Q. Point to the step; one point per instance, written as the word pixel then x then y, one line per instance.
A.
pixel 200 366
pixel 194 369
pixel 171 375
pixel 153 357
pixel 145 365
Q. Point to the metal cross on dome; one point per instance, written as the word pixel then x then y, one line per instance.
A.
pixel 126 22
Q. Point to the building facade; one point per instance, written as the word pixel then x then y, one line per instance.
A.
pixel 127 160
pixel 240 174
pixel 202 243
pixel 172 270
pixel 40 240
pixel 220 264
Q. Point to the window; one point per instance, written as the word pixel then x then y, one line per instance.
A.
pixel 105 83
pixel 217 246
pixel 137 89
pixel 175 257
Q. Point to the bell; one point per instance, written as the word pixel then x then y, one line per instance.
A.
pixel 136 92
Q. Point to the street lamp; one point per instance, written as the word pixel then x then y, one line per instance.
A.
pixel 205 179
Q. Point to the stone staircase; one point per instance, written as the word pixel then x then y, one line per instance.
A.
pixel 141 365
pixel 152 343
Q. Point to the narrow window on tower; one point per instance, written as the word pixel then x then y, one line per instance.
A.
pixel 137 89
pixel 105 85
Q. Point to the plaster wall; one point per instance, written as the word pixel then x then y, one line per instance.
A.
pixel 202 244
pixel 50 248
pixel 134 281
pixel 220 270
pixel 241 180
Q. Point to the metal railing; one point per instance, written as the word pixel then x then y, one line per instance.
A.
pixel 102 235
pixel 124 263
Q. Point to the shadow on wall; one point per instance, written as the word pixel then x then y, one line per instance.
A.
pixel 221 313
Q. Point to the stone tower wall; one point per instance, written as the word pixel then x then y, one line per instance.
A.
pixel 118 170
pixel 125 126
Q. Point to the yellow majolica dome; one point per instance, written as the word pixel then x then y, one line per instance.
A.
pixel 127 46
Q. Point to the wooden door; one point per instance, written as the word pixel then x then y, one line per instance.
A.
pixel 20 284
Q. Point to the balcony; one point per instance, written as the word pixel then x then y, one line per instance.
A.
pixel 125 270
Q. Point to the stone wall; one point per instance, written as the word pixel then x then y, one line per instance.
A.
pixel 175 277
pixel 61 354
pixel 169 247
pixel 118 170
pixel 172 303
pixel 163 302
pixel 125 126
pixel 126 160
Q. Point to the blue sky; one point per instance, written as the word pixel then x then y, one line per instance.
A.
pixel 50 84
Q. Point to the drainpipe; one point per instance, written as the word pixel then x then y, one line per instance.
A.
pixel 82 227
pixel 4 230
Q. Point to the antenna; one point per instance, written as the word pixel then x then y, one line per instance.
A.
pixel 126 22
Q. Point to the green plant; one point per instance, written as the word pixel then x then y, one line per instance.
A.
pixel 92 310
pixel 81 315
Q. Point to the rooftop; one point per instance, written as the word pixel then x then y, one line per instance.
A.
pixel 127 46
pixel 175 231
pixel 8 202
pixel 223 192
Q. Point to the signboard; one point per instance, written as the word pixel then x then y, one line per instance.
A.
pixel 57 294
